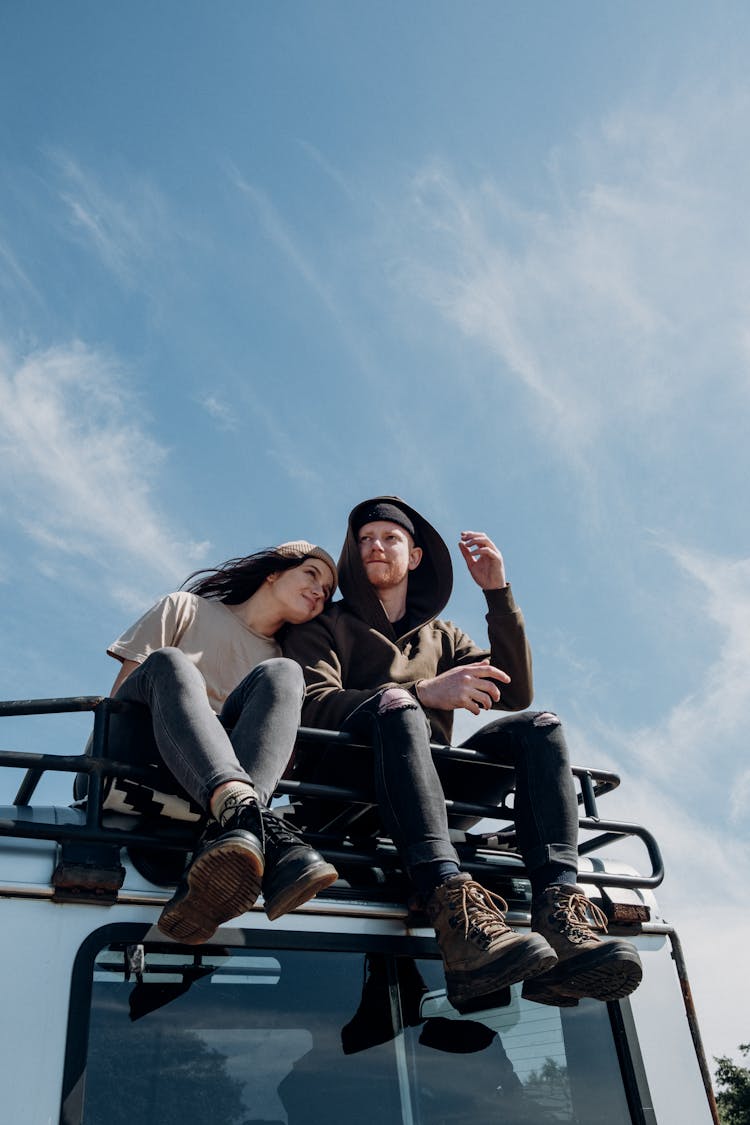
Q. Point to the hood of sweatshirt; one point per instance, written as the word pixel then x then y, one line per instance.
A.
pixel 430 584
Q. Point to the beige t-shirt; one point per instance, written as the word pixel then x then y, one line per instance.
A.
pixel 215 639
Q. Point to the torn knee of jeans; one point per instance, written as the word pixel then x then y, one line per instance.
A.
pixel 395 699
pixel 546 719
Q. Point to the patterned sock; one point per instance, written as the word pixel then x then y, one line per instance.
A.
pixel 233 795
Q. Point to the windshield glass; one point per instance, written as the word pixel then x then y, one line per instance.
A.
pixel 298 1037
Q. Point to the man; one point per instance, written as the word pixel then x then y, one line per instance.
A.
pixel 383 661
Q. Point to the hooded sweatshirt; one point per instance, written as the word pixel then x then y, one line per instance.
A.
pixel 351 651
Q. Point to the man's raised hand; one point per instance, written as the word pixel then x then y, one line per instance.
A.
pixel 483 559
pixel 472 686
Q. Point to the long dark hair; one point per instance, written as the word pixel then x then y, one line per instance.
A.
pixel 236 580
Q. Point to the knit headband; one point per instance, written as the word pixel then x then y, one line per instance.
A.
pixel 372 513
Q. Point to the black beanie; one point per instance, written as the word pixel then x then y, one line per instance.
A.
pixel 380 510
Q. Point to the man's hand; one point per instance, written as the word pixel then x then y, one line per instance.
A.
pixel 483 559
pixel 471 686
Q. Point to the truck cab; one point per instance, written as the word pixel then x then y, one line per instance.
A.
pixel 336 1012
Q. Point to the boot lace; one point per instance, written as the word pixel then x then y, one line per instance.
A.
pixel 245 814
pixel 579 917
pixel 280 831
pixel 483 911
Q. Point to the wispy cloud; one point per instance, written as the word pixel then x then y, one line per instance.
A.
pixel 291 455
pixel 11 273
pixel 699 738
pixel 687 768
pixel 357 340
pixel 282 237
pixel 333 173
pixel 327 288
pixel 594 302
pixel 739 800
pixel 223 414
pixel 78 469
pixel 123 228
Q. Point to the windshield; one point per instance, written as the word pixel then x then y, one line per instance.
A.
pixel 299 1037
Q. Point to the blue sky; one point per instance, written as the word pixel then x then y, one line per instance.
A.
pixel 260 260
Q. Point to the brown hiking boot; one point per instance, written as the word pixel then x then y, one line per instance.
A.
pixel 481 954
pixel 587 965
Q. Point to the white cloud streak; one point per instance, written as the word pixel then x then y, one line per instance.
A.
pixel 628 293
pixel 281 236
pixel 333 173
pixel 224 416
pixel 292 458
pixel 78 469
pixel 699 738
pixel 15 275
pixel 123 230
pixel 291 249
pixel 354 338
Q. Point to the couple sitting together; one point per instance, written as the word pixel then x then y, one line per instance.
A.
pixel 226 669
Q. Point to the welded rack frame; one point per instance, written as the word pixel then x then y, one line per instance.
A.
pixel 478 854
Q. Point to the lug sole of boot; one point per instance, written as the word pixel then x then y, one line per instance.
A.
pixel 221 883
pixel 609 973
pixel 473 990
pixel 542 991
pixel 307 885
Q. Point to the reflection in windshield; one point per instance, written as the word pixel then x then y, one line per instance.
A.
pixel 521 1062
pixel 299 1037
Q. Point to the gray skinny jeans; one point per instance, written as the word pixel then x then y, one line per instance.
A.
pixel 176 730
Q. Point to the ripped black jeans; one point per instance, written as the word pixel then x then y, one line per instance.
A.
pixel 410 787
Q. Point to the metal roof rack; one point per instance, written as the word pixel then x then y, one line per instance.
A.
pixel 90 847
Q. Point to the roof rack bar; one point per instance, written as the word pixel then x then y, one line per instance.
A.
pixel 97 767
pixel 98 752
pixel 609 832
pixel 362 797
pixel 27 787
pixel 473 859
pixel 483 862
pixel 605 781
pixel 59 706
pixel 65 705
pixel 72 763
pixel 587 792
pixel 175 839
pixel 62 706
pixel 354 803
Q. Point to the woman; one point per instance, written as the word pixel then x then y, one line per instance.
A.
pixel 223 735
